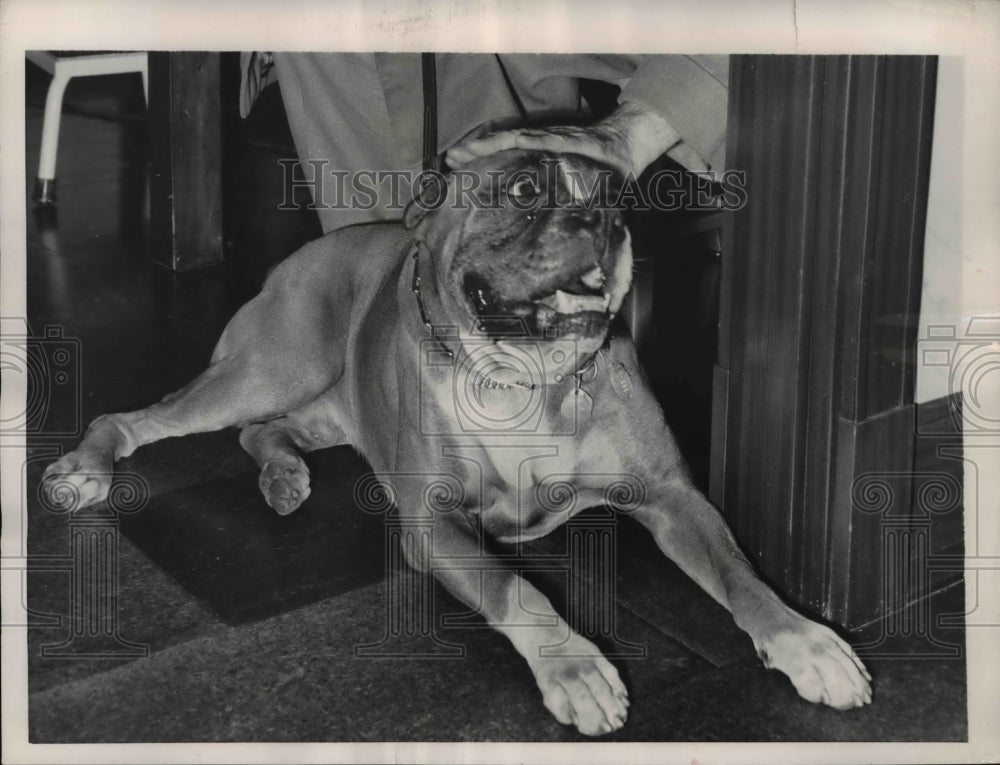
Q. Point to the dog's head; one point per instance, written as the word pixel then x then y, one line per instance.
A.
pixel 528 245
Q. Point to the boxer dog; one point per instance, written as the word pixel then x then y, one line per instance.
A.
pixel 433 348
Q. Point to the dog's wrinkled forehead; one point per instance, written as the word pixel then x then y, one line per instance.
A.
pixel 517 180
pixel 569 179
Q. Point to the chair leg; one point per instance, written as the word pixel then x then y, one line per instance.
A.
pixel 45 184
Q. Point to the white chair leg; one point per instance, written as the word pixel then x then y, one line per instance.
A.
pixel 45 184
pixel 63 70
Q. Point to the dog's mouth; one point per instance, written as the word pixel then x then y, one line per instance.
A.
pixel 577 309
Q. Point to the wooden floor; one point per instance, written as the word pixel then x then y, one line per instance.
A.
pixel 232 624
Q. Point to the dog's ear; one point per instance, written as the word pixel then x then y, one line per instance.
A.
pixel 431 194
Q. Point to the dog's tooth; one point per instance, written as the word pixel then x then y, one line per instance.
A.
pixel 563 302
pixel 593 278
pixel 607 301
pixel 567 303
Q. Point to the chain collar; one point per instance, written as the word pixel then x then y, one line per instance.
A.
pixel 415 286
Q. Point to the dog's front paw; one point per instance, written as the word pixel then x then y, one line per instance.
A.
pixel 284 482
pixel 582 688
pixel 822 666
pixel 78 479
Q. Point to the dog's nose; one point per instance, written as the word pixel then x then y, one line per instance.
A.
pixel 587 216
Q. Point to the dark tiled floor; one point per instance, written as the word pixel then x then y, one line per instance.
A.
pixel 250 621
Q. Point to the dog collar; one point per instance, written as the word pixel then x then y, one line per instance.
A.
pixel 415 286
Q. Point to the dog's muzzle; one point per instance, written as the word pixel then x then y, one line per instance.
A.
pixel 577 309
pixel 578 306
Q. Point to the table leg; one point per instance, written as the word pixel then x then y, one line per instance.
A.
pixel 185 116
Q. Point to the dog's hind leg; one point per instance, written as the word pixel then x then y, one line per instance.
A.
pixel 277 447
pixel 232 390
pixel 284 476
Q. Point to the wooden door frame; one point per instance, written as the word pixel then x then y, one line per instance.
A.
pixel 813 392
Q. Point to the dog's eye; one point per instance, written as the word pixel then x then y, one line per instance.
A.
pixel 523 188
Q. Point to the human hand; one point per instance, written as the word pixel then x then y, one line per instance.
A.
pixel 629 138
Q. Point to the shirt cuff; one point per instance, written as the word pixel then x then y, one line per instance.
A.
pixel 691 93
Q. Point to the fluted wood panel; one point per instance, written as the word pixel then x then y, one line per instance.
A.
pixel 820 298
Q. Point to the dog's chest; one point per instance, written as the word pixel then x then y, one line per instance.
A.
pixel 529 461
pixel 525 488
